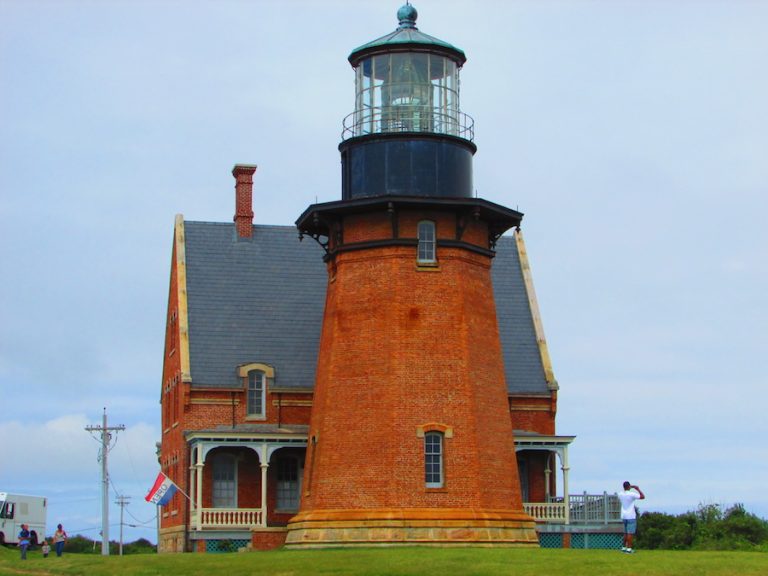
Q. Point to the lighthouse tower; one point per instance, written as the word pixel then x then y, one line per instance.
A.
pixel 410 439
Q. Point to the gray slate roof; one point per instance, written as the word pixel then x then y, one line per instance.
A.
pixel 522 359
pixel 262 300
pixel 256 300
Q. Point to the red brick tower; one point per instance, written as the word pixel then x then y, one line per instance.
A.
pixel 411 439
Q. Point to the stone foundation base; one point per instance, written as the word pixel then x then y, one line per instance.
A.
pixel 411 527
pixel 172 540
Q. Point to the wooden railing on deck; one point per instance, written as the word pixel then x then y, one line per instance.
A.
pixel 545 511
pixel 584 509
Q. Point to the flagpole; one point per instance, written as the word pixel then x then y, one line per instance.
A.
pixel 179 489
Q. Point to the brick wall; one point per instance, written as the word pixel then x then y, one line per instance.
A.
pixel 534 413
pixel 401 347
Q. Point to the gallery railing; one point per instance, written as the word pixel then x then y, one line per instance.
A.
pixel 408 118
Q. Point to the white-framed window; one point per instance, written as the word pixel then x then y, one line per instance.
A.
pixel 426 250
pixel 224 481
pixel 257 377
pixel 288 483
pixel 433 459
pixel 257 387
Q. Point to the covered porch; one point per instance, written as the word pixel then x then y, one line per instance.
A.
pixel 536 459
pixel 243 481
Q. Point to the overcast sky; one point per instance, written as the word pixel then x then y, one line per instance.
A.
pixel 632 134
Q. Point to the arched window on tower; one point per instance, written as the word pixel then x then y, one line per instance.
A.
pixel 426 250
pixel 433 459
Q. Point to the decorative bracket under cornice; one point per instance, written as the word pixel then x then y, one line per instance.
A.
pixel 314 235
pixel 462 221
pixel 316 238
pixel 493 238
pixel 393 219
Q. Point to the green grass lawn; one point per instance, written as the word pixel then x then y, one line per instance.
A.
pixel 398 562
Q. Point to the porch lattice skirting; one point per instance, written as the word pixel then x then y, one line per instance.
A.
pixel 409 527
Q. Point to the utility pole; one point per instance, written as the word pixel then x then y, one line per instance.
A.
pixel 122 501
pixel 104 430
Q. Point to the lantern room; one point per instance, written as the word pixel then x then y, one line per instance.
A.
pixel 407 134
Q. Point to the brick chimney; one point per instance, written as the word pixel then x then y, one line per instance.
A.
pixel 243 174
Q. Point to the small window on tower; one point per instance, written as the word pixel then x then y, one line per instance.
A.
pixel 426 251
pixel 433 459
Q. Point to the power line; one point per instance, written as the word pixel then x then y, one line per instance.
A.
pixel 117 495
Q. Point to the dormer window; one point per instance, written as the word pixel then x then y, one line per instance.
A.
pixel 257 386
pixel 426 250
pixel 257 379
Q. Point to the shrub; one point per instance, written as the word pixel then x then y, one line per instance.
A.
pixel 657 530
pixel 82 545
pixel 708 528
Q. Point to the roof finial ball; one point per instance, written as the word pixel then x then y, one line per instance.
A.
pixel 407 16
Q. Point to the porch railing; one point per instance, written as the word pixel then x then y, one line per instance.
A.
pixel 584 509
pixel 220 518
pixel 546 511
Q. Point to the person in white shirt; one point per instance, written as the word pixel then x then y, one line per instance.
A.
pixel 628 514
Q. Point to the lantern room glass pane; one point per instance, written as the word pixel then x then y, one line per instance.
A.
pixel 407 92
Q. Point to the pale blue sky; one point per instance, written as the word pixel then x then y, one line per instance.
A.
pixel 632 134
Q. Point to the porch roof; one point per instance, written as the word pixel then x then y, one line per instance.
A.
pixel 532 440
pixel 249 431
pixel 264 439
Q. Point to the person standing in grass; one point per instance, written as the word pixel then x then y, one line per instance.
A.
pixel 24 541
pixel 628 514
pixel 59 537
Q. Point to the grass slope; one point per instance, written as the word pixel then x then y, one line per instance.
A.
pixel 396 562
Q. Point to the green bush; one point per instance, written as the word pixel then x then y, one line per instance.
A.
pixel 708 528
pixel 140 546
pixel 82 545
pixel 663 531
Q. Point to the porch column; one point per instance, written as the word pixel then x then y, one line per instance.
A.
pixel 264 466
pixel 547 473
pixel 566 496
pixel 192 493
pixel 199 487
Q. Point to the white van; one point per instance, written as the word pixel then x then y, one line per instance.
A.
pixel 18 509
